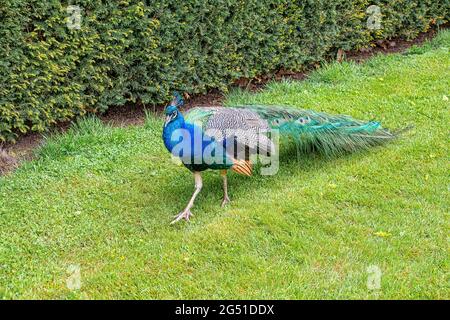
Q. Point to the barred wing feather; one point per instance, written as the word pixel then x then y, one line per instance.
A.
pixel 244 131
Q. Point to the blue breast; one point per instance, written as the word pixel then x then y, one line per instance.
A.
pixel 196 150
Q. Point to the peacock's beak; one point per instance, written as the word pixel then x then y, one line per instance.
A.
pixel 167 120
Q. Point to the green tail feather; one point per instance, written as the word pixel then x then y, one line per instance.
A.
pixel 330 135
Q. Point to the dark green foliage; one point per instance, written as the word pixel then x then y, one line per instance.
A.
pixel 130 50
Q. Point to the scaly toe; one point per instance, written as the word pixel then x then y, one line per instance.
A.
pixel 182 215
pixel 225 202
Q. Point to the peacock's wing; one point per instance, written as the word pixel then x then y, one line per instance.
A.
pixel 243 131
pixel 326 133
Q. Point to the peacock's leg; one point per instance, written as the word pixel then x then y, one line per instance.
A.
pixel 186 213
pixel 226 200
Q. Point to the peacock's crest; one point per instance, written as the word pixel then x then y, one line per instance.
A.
pixel 178 100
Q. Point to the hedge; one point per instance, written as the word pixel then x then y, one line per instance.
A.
pixel 130 50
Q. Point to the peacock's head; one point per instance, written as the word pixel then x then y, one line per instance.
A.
pixel 171 113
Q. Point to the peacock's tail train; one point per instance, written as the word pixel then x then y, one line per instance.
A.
pixel 249 125
pixel 328 134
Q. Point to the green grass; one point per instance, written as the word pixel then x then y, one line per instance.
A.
pixel 102 198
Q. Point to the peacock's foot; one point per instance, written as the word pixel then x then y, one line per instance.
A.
pixel 225 201
pixel 186 214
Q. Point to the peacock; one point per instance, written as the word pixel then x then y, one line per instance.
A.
pixel 229 138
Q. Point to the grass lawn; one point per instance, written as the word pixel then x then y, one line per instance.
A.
pixel 101 199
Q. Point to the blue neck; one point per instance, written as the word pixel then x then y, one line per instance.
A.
pixel 177 123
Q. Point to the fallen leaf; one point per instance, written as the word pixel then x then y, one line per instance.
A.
pixel 382 234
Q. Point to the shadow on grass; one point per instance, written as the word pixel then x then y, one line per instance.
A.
pixel 292 165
